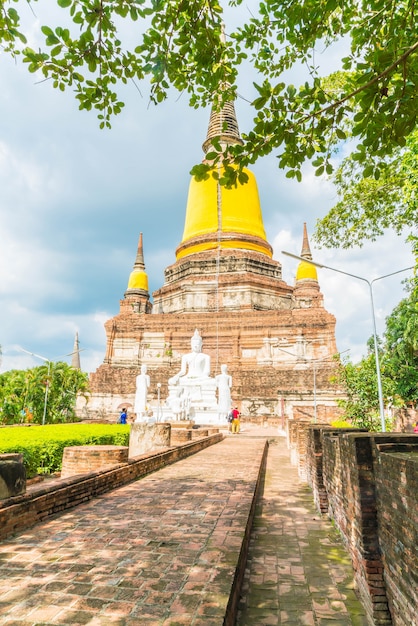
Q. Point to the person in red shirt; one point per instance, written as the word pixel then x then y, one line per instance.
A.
pixel 235 424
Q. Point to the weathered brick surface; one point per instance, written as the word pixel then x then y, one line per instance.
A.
pixel 180 436
pixel 296 432
pixel 199 433
pixel 168 549
pixel 85 459
pixel 348 470
pixel 314 466
pixel 396 487
pixel 23 511
pixel 145 438
pixel 293 440
pixel 247 341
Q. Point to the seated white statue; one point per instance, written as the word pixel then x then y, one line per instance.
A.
pixel 142 386
pixel 195 365
pixel 224 384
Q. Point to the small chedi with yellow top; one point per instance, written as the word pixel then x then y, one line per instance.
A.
pixel 276 339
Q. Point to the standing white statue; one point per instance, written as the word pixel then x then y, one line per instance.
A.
pixel 224 384
pixel 195 364
pixel 142 386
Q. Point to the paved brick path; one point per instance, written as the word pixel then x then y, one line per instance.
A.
pixel 298 572
pixel 162 551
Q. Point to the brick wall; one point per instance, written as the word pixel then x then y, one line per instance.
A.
pixel 368 487
pixel 349 481
pixel 396 487
pixel 26 510
pixel 85 459
pixel 179 436
pixel 297 445
pixel 314 467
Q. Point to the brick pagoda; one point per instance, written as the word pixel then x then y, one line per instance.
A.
pixel 277 339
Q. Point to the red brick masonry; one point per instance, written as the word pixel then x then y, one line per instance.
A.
pixel 86 459
pixel 24 511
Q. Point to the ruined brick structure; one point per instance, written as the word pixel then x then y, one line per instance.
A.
pixel 277 339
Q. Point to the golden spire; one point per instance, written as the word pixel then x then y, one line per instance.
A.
pixel 306 271
pixel 217 217
pixel 138 279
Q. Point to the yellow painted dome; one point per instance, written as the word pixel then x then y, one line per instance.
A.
pixel 241 218
pixel 306 271
pixel 138 279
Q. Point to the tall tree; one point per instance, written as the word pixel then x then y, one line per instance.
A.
pixel 398 356
pixel 359 381
pixel 23 393
pixel 180 43
pixel 400 359
pixel 368 204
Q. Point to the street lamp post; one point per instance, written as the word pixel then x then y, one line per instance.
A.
pixel 376 350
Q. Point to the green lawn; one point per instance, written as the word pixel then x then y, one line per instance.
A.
pixel 43 446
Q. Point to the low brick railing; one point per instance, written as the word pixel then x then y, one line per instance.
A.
pixel 366 483
pixel 397 514
pixel 85 459
pixel 23 511
pixel 180 436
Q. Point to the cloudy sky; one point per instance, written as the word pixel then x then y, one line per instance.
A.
pixel 74 198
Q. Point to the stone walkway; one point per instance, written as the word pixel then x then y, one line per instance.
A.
pixel 163 551
pixel 298 571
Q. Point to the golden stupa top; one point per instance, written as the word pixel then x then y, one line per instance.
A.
pixel 138 279
pixel 306 271
pixel 217 217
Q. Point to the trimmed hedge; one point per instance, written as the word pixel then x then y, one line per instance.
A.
pixel 43 446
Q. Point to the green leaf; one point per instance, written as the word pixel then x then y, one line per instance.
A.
pixel 340 133
pixel 47 31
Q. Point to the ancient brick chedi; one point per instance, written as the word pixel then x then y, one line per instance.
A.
pixel 277 339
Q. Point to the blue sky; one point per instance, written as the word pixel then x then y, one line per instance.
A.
pixel 74 198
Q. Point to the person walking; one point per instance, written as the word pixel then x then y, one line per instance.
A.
pixel 235 424
pixel 123 417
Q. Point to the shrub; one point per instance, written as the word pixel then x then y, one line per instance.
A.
pixel 341 424
pixel 42 447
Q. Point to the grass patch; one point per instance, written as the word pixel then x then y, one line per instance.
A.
pixel 42 447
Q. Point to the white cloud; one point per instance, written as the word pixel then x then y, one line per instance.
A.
pixel 348 298
pixel 73 200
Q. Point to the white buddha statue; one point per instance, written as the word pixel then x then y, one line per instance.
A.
pixel 194 386
pixel 195 365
